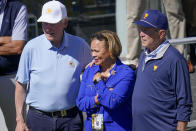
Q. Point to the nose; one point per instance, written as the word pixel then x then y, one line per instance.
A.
pixel 93 54
pixel 142 33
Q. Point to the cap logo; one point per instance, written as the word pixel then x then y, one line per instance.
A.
pixel 145 15
pixel 48 11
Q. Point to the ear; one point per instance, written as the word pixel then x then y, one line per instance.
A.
pixel 65 23
pixel 162 34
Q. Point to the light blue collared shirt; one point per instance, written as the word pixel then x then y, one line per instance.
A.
pixel 53 73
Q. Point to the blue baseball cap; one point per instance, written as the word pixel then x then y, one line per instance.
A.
pixel 153 19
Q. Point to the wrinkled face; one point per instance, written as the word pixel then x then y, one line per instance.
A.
pixel 99 52
pixel 150 37
pixel 54 32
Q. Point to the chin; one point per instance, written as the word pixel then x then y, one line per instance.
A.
pixel 144 45
pixel 50 39
pixel 97 63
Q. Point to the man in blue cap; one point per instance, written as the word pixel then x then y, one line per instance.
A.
pixel 162 94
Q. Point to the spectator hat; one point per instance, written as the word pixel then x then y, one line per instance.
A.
pixel 53 12
pixel 153 19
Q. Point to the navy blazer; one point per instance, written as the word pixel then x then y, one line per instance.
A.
pixel 115 105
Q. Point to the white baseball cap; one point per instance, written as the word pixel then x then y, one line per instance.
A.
pixel 53 12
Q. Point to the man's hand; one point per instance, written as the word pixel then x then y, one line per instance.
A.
pixel 21 126
pixel 5 40
pixel 90 64
pixel 181 126
pixel 20 93
pixel 11 47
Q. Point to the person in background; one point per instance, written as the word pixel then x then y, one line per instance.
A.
pixel 177 26
pixel 134 10
pixel 162 95
pixel 51 65
pixel 13 34
pixel 106 87
pixel 176 20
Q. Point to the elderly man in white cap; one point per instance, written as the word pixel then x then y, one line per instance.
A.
pixel 51 65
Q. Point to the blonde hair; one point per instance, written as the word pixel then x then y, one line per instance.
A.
pixel 112 42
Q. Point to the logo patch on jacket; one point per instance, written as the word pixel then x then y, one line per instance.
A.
pixel 155 67
pixel 145 15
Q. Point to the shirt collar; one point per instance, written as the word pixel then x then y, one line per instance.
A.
pixel 64 43
pixel 158 52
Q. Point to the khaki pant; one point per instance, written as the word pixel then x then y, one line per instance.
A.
pixel 176 20
pixel 7 106
pixel 135 9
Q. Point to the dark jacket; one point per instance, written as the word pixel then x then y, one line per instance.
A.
pixel 9 64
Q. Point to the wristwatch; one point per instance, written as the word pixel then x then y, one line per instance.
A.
pixel 96 80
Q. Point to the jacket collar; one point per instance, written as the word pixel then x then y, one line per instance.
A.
pixel 98 68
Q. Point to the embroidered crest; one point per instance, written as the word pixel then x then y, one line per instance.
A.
pixel 48 11
pixel 155 67
pixel 71 63
pixel 145 15
pixel 111 89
